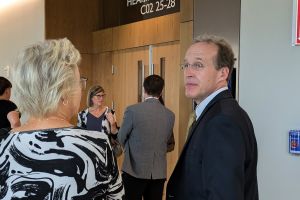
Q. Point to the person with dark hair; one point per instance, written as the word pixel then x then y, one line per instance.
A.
pixel 9 116
pixel 219 158
pixel 147 135
pixel 99 117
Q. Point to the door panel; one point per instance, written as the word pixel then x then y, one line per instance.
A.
pixel 102 74
pixel 125 78
pixel 167 58
pixel 125 82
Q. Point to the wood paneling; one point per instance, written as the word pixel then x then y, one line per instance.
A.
pixel 125 83
pixel 85 69
pixel 152 31
pixel 171 52
pixel 186 10
pixel 186 39
pixel 74 19
pixel 125 78
pixel 102 74
pixel 103 40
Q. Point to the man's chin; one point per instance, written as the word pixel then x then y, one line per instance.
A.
pixel 189 95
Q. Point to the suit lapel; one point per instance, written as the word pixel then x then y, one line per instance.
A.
pixel 222 95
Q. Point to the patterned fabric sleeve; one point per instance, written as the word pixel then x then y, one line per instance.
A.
pixel 115 187
pixel 79 121
pixel 82 119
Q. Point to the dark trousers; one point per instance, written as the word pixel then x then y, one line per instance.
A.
pixel 136 188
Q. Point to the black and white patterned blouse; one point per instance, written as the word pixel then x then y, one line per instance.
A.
pixel 82 120
pixel 56 164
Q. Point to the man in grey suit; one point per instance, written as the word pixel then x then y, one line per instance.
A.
pixel 146 135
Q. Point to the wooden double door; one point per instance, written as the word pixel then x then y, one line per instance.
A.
pixel 121 74
pixel 131 66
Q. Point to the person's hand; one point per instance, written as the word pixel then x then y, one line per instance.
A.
pixel 113 122
pixel 111 118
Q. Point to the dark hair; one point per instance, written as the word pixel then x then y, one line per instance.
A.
pixel 154 85
pixel 161 100
pixel 4 84
pixel 225 55
pixel 92 92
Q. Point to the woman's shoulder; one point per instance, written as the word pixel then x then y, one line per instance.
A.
pixel 89 133
pixel 8 103
pixel 85 111
pixel 72 135
pixel 72 131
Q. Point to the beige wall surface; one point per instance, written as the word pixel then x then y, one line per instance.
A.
pixel 21 24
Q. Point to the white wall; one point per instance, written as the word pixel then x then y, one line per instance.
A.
pixel 269 92
pixel 22 22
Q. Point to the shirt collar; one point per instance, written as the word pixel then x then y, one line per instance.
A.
pixel 201 106
pixel 150 98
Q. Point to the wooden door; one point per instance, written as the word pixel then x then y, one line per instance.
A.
pixel 166 60
pixel 102 75
pixel 125 78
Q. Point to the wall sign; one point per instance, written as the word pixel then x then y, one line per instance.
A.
pixel 296 23
pixel 294 141
pixel 137 10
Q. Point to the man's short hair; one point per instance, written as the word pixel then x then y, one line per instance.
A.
pixel 4 84
pixel 153 85
pixel 225 55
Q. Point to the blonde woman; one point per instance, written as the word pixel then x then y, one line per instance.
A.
pixel 47 157
pixel 99 117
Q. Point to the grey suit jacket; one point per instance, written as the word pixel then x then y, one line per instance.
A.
pixel 146 135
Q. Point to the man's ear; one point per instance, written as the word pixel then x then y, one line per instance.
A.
pixel 7 92
pixel 224 73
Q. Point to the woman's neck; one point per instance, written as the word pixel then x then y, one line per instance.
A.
pixel 96 108
pixel 44 123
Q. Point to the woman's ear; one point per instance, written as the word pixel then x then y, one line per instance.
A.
pixel 64 101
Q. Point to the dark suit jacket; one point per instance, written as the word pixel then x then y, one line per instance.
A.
pixel 218 161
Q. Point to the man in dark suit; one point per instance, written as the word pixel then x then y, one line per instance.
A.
pixel 219 159
pixel 146 135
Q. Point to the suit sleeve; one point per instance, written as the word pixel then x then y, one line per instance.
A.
pixel 126 127
pixel 171 143
pixel 223 160
pixel 171 140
